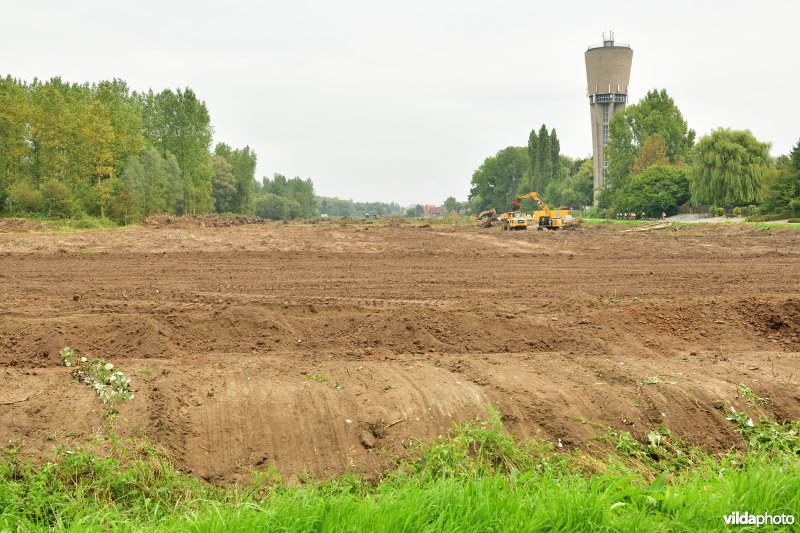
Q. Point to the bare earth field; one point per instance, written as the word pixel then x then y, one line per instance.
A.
pixel 412 328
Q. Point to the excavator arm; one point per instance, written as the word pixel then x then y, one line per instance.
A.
pixel 534 196
pixel 491 213
pixel 486 219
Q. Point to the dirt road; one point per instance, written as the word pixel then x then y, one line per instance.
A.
pixel 324 348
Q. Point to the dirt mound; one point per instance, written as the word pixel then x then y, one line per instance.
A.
pixel 778 321
pixel 324 348
pixel 19 225
pixel 203 221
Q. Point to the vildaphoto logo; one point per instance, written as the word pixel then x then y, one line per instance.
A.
pixel 766 519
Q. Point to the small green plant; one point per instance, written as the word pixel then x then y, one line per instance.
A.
pixel 109 386
pixel 388 388
pixel 317 377
pixel 338 385
pixel 766 435
pixel 612 298
pixel 661 450
pixel 752 400
pixel 650 381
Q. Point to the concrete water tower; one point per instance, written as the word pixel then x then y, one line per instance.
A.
pixel 608 70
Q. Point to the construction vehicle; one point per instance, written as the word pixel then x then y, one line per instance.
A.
pixel 513 221
pixel 486 219
pixel 546 218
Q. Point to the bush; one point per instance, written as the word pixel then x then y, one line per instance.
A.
pixel 85 201
pixel 56 199
pixel 719 212
pixel 794 221
pixel 120 204
pixel 272 206
pixel 24 199
pixel 778 188
pixel 84 221
pixel 767 218
pixel 293 209
pixel 657 189
pixel 794 205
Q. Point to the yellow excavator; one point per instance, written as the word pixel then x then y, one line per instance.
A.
pixel 486 219
pixel 546 218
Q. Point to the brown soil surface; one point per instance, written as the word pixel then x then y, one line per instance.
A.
pixel 203 221
pixel 220 328
pixel 16 225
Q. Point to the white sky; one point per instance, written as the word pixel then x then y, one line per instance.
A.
pixel 402 101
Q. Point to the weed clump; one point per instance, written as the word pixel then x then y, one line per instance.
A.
pixel 482 448
pixel 110 387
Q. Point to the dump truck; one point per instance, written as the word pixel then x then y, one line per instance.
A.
pixel 513 221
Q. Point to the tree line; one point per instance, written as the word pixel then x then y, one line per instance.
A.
pixel 69 150
pixel 72 150
pixel 336 207
pixel 654 166
pixel 539 167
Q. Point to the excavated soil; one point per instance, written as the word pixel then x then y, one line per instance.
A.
pixel 18 225
pixel 323 348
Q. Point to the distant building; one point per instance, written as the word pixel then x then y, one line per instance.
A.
pixel 429 210
pixel 608 71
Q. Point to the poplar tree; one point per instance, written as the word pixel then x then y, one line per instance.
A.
pixel 243 166
pixel 544 160
pixel 555 156
pixel 179 123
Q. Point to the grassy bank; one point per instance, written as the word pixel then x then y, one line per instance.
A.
pixel 477 478
pixel 56 225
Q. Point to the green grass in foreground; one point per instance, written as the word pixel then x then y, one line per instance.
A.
pixel 477 478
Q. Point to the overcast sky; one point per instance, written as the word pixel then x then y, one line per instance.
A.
pixel 402 101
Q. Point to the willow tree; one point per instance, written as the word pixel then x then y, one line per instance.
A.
pixel 728 165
